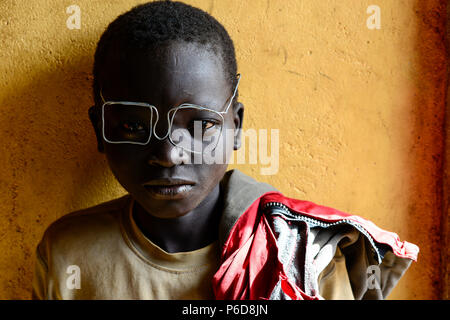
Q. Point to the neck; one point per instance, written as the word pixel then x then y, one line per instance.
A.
pixel 192 231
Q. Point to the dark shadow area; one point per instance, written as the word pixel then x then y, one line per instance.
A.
pixel 428 148
pixel 51 152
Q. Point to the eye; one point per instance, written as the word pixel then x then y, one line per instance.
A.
pixel 206 124
pixel 132 127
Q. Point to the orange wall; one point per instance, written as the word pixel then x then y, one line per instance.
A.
pixel 359 113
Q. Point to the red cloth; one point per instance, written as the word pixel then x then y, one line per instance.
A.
pixel 250 266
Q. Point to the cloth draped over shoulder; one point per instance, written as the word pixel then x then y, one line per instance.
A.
pixel 281 248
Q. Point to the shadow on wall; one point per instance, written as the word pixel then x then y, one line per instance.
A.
pixel 427 149
pixel 50 163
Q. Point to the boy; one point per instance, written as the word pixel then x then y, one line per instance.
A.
pixel 166 90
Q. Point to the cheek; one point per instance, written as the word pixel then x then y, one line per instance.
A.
pixel 210 175
pixel 123 164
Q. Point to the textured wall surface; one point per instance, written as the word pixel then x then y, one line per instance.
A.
pixel 360 116
pixel 445 252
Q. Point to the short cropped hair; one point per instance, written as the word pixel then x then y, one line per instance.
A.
pixel 154 24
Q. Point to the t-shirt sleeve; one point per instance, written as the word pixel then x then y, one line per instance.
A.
pixel 40 281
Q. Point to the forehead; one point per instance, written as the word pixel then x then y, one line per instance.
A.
pixel 177 70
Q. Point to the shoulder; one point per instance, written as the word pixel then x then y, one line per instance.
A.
pixel 85 226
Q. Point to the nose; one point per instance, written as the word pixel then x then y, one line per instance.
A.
pixel 162 153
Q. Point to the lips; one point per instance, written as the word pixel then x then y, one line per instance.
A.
pixel 169 188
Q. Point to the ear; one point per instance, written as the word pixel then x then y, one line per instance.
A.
pixel 94 116
pixel 238 113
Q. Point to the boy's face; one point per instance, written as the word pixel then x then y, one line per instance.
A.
pixel 182 73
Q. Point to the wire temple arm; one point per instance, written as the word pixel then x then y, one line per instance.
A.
pixel 234 93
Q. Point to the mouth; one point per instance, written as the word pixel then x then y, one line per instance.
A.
pixel 169 188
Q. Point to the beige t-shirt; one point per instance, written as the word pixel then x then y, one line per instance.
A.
pixel 100 253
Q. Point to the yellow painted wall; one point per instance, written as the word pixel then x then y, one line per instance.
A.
pixel 359 111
